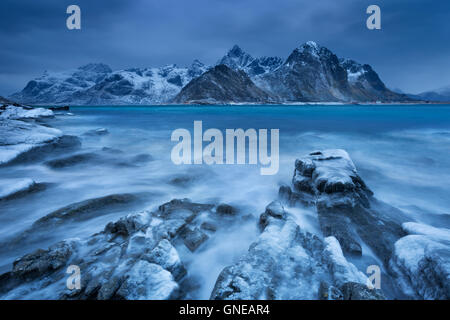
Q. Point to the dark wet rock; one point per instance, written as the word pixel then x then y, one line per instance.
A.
pixel 80 211
pixel 142 158
pixel 358 291
pixel 60 145
pixel 63 108
pixel 226 209
pixel 112 150
pixel 96 132
pixel 182 181
pixel 171 207
pixel 339 226
pixel 327 292
pixel 33 187
pixel 208 226
pixel 41 261
pixel 124 227
pixel 194 238
pixel 292 199
pixel 37 265
pixel 73 160
pixel 84 209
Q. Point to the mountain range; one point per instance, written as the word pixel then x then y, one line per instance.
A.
pixel 311 73
pixel 439 95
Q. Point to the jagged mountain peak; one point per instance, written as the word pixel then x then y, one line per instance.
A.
pixel 310 73
pixel 313 49
pixel 221 84
pixel 236 51
pixel 236 58
pixel 197 63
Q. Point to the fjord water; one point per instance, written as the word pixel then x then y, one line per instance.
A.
pixel 401 152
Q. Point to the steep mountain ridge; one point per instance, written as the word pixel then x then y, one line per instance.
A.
pixel 221 84
pixel 311 73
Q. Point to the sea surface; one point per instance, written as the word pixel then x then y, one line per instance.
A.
pixel 401 152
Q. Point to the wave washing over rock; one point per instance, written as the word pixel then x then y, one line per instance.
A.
pixel 148 254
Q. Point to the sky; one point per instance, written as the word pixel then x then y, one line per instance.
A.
pixel 411 52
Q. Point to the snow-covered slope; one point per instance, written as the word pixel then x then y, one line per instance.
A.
pixel 314 73
pixel 60 87
pixel 310 73
pixel 98 84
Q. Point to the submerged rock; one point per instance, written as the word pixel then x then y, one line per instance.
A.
pixel 96 132
pixel 58 145
pixel 194 238
pixel 80 211
pixel 226 209
pixel 71 160
pixel 17 188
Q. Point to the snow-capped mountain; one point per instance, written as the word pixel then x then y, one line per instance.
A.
pixel 310 73
pixel 439 95
pixel 314 73
pixel 60 87
pixel 222 84
pixel 98 84
pixel 237 59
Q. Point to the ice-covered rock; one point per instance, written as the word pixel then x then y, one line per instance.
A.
pixel 288 263
pixel 422 261
pixel 17 113
pixel 20 140
pixel 98 84
pixel 341 270
pixel 147 281
pixel 134 257
pixel 346 207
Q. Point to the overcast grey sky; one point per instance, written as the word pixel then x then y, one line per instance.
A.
pixel 411 52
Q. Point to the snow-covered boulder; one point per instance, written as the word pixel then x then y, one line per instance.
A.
pixel 132 258
pixel 286 262
pixel 147 281
pixel 17 113
pixel 422 261
pixel 346 207
pixel 26 140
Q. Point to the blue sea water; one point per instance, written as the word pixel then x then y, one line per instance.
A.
pixel 402 153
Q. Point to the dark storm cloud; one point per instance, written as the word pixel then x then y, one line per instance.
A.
pixel 410 52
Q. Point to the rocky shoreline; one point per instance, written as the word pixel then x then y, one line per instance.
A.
pixel 141 256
